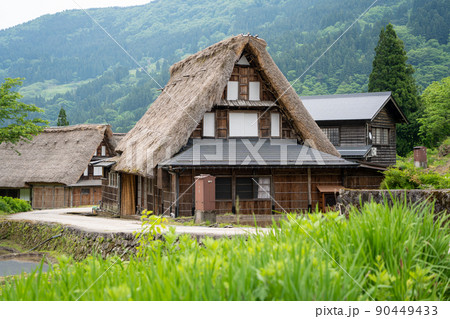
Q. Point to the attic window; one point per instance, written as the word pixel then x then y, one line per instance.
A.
pixel 243 124
pixel 275 124
pixel 232 90
pixel 98 171
pixel 103 150
pixel 254 89
pixel 243 61
pixel 86 172
pixel 209 124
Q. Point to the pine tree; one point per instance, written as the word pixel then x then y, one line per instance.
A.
pixel 62 118
pixel 390 72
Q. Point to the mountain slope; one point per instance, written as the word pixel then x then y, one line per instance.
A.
pixel 69 50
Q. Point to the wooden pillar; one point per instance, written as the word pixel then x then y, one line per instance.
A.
pixel 309 190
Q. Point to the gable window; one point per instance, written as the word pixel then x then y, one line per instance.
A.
pixel 275 124
pixel 98 171
pixel 209 125
pixel 332 134
pixel 232 90
pixel 113 179
pixel 86 172
pixel 380 135
pixel 243 124
pixel 253 187
pixel 254 90
pixel 103 150
pixel 223 188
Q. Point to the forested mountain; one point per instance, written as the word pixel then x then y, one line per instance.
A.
pixel 69 61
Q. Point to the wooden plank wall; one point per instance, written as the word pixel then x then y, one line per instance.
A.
pixel 386 154
pixel 53 196
pixel 353 134
pixel 110 197
pixel 363 178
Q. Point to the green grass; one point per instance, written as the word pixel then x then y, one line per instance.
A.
pixel 392 253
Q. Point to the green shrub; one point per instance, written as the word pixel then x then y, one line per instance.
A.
pixel 11 205
pixel 412 178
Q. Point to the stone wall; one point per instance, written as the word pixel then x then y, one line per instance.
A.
pixel 73 241
pixel 353 197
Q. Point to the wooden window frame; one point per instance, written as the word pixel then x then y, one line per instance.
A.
pixel 374 136
pixel 254 184
pixel 231 191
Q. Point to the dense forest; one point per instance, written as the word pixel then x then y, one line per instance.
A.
pixel 68 61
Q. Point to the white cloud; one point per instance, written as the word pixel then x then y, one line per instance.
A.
pixel 19 11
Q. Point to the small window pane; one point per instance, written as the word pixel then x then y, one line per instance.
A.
pixel 98 171
pixel 244 187
pixel 263 187
pixel 208 125
pixel 232 90
pixel 86 172
pixel 380 136
pixel 223 188
pixel 254 89
pixel 275 124
pixel 103 150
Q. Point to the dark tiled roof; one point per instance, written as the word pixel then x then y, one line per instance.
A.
pixel 252 152
pixel 339 107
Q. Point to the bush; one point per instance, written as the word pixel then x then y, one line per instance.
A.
pixel 412 178
pixel 11 205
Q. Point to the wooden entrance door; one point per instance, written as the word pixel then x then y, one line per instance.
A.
pixel 128 195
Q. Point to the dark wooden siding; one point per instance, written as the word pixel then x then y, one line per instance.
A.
pixel 386 154
pixel 353 134
pixel 110 197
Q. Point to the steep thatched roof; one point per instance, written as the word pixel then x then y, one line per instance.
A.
pixel 57 155
pixel 196 84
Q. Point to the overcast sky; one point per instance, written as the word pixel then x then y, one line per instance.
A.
pixel 13 12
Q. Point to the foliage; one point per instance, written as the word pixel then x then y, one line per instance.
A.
pixel 397 252
pixel 413 178
pixel 87 73
pixel 62 118
pixel 391 73
pixel 15 124
pixel 11 205
pixel 436 116
pixel 152 227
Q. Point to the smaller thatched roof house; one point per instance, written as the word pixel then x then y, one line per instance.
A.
pixel 58 156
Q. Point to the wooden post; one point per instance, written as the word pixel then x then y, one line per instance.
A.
pixel 309 189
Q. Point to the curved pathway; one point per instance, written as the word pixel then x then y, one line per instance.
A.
pixel 73 217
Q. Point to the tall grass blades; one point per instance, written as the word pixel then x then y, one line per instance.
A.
pixel 396 252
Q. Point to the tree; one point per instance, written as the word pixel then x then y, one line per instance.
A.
pixel 390 72
pixel 436 115
pixel 62 118
pixel 15 124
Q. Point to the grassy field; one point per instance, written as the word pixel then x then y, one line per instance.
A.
pixel 378 253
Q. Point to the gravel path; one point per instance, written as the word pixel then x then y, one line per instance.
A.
pixel 72 217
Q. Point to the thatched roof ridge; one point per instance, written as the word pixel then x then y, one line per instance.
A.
pixel 57 155
pixel 195 86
